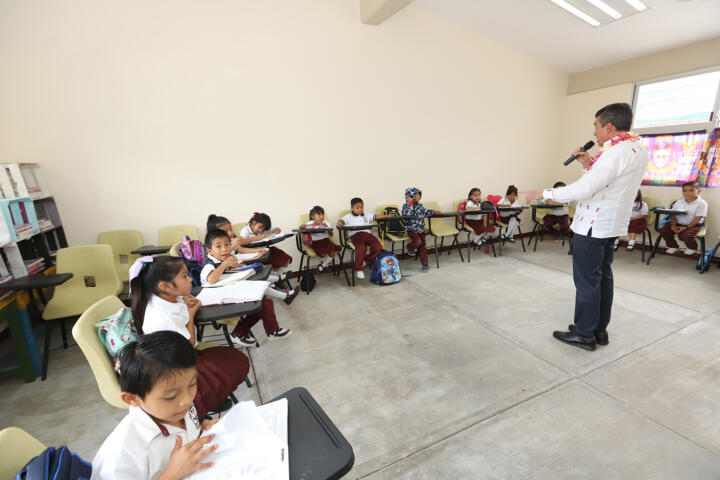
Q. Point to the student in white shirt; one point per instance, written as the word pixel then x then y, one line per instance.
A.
pixel 638 224
pixel 480 226
pixel 218 222
pixel 259 228
pixel 559 216
pixel 686 226
pixel 161 301
pixel 362 239
pixel 512 219
pixel 159 437
pixel 320 242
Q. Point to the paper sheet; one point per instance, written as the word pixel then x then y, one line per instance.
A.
pixel 230 278
pixel 248 257
pixel 239 292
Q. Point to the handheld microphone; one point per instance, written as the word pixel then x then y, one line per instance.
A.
pixel 584 148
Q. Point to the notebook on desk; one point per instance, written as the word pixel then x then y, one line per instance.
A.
pixel 231 278
pixel 239 292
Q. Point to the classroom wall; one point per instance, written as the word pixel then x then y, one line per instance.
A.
pixel 157 112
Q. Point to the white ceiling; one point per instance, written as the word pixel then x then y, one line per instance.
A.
pixel 548 33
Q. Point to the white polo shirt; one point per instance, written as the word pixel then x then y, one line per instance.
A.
pixel 639 208
pixel 472 204
pixel 560 211
pixel 138 449
pixel 321 235
pixel 606 192
pixel 246 232
pixel 162 315
pixel 207 270
pixel 351 220
pixel 505 201
pixel 698 208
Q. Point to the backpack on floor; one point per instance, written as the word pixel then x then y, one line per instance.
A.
pixel 307 282
pixel 117 330
pixel 705 257
pixel 393 226
pixel 56 464
pixel 385 269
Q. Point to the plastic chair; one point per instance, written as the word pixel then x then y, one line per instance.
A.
pixel 17 448
pixel 461 225
pixel 94 278
pixel 380 210
pixel 306 251
pixel 85 334
pixel 238 226
pixel 175 250
pixel 700 237
pixel 441 228
pixel 173 233
pixel 122 243
pixel 706 265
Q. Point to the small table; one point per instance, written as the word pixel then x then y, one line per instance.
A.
pixel 151 250
pixel 317 448
pixel 270 241
pixel 661 211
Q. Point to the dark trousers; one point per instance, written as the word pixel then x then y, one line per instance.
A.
pixel 266 314
pixel 563 222
pixel 593 278
pixel 688 236
pixel 417 242
pixel 365 241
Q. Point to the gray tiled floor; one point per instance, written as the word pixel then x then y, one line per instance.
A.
pixel 454 373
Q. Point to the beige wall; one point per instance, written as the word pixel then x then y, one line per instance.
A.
pixel 679 60
pixel 150 113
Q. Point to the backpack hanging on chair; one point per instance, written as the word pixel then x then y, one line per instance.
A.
pixel 56 464
pixel 393 226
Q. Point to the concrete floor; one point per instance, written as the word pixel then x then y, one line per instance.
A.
pixel 454 373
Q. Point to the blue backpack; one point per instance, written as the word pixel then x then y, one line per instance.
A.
pixel 706 257
pixel 385 269
pixel 56 464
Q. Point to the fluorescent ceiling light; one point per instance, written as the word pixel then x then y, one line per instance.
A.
pixel 637 5
pixel 577 12
pixel 606 8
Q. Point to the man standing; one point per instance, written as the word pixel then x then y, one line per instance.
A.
pixel 605 197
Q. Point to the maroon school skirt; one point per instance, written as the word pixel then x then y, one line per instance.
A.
pixel 637 226
pixel 220 371
pixel 479 226
pixel 324 247
pixel 277 258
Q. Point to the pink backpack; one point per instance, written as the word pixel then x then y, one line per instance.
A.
pixel 192 250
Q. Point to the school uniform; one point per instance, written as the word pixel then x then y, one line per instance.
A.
pixel 320 242
pixel 512 219
pixel 559 216
pixel 639 225
pixel 362 239
pixel 476 222
pixel 139 447
pixel 277 258
pixel 698 208
pixel 267 307
pixel 220 369
pixel 415 227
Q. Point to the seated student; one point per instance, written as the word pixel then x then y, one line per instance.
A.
pixel 220 259
pixel 217 222
pixel 638 224
pixel 321 243
pixel 159 436
pixel 362 239
pixel 512 219
pixel 482 228
pixel 415 227
pixel 559 216
pixel 161 300
pixel 688 225
pixel 259 228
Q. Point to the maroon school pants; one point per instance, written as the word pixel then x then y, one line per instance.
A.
pixel 220 371
pixel 637 226
pixel 362 242
pixel 266 314
pixel 417 242
pixel 479 226
pixel 688 236
pixel 563 222
pixel 324 247
pixel 277 258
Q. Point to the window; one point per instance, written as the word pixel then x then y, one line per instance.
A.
pixel 677 119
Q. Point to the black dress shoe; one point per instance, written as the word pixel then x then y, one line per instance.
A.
pixel 586 343
pixel 601 336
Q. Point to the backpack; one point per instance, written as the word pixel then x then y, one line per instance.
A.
pixel 705 257
pixel 461 208
pixel 385 269
pixel 667 218
pixel 192 250
pixel 307 282
pixel 393 226
pixel 117 330
pixel 490 205
pixel 56 464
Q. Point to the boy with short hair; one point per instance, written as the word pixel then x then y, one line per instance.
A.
pixel 362 239
pixel 688 225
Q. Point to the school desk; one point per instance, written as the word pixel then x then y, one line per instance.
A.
pixel 455 235
pixel 347 246
pixel 151 250
pixel 270 241
pixel 538 225
pixel 663 211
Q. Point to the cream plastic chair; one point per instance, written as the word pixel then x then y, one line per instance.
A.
pixel 17 447
pixel 380 210
pixel 307 251
pixel 122 243
pixel 85 334
pixel 700 238
pixel 94 278
pixel 237 227
pixel 441 228
pixel 174 233
pixel 460 225
pixel 348 246
pixel 175 250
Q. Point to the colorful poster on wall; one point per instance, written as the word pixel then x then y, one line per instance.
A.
pixel 674 158
pixel 710 161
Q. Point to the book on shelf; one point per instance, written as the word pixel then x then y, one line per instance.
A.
pixel 45 224
pixel 35 265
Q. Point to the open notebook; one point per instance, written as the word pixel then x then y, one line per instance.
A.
pixel 239 292
pixel 231 278
pixel 252 444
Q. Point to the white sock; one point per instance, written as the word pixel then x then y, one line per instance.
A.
pixel 326 260
pixel 617 241
pixel 631 242
pixel 477 238
pixel 485 235
pixel 272 293
pixel 273 278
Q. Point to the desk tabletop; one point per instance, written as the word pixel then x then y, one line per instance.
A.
pixel 669 211
pixel 317 448
pixel 210 313
pixel 447 214
pixel 31 282
pixel 270 241
pixel 151 250
pixel 546 205
pixel 313 230
pixel 521 207
pixel 358 227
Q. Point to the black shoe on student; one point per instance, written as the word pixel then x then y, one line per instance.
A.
pixel 411 253
pixel 291 296
pixel 601 336
pixel 586 343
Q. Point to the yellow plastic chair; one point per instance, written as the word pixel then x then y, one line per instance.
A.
pixel 17 447
pixel 85 334
pixel 175 250
pixel 174 233
pixel 122 243
pixel 441 228
pixel 380 210
pixel 237 227
pixel 700 238
pixel 307 251
pixel 94 278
